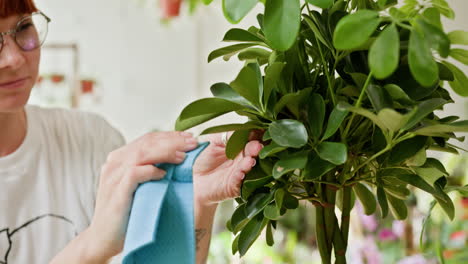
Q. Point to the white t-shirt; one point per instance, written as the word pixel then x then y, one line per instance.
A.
pixel 48 185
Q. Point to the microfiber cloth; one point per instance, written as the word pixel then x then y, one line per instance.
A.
pixel 161 227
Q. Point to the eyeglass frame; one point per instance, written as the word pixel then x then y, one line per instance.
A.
pixel 15 30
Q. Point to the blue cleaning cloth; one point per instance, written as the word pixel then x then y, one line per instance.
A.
pixel 161 226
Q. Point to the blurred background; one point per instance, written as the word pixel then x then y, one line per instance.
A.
pixel 126 61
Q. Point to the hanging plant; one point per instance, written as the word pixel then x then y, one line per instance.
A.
pixel 170 8
pixel 87 86
pixel 347 97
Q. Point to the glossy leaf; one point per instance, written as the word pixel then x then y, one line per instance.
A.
pixel 194 121
pixel 379 97
pixel 458 37
pixel 270 149
pixel 393 120
pixel 289 164
pixel 290 202
pixel 336 153
pixel 334 122
pixel 460 55
pixel 282 22
pixel 259 54
pixel 235 10
pixel 257 203
pixel 407 149
pixel 288 133
pixel 366 197
pixel 398 208
pixel 437 39
pixel 398 94
pixel 229 51
pixel 434 130
pixel 384 54
pixel 269 235
pixel 248 85
pixel 321 3
pixel 224 91
pixel 364 112
pixel 424 109
pixel 354 30
pixel 272 76
pixel 271 212
pixel 239 219
pixel 382 199
pixel 417 182
pixel 250 233
pixel 422 64
pixel 231 127
pixel 241 35
pixel 279 198
pixel 316 113
pixel 316 167
pixel 460 84
pixel 236 143
pixel 446 203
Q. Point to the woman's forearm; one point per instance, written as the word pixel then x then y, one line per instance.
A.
pixel 204 216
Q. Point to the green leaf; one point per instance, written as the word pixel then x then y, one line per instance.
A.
pixel 398 208
pixel 316 167
pixel 248 84
pixel 272 76
pixel 444 73
pixel 269 235
pixel 364 112
pixel 460 84
pixel 407 149
pixel 239 219
pixel 417 182
pixel 229 51
pixel 379 97
pixel 398 94
pixel 251 185
pixel 279 198
pixel 382 199
pixel 257 203
pixel 384 54
pixel 250 233
pixel 458 37
pixel 258 54
pixel 417 160
pixel 235 10
pixel 198 112
pixel 317 33
pixel 434 130
pixel 460 55
pixel 437 39
pixel 290 202
pixel 224 91
pixel 336 153
pixel 443 8
pixel 432 16
pixel 270 149
pixel 271 212
pixel 354 30
pixel 424 109
pixel 289 164
pixel 316 113
pixel 334 122
pixel 366 197
pixel 288 133
pixel 235 245
pixel 292 101
pixel 393 120
pixel 242 35
pixel 282 22
pixel 446 203
pixel 422 64
pixel 236 143
pixel 231 127
pixel 321 3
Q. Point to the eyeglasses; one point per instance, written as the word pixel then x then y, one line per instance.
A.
pixel 30 32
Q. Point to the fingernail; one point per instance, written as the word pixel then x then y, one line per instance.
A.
pixel 254 162
pixel 180 155
pixel 186 134
pixel 191 141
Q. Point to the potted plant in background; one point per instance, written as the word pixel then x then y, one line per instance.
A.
pixel 346 92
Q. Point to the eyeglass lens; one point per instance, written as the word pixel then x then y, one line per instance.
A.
pixel 31 32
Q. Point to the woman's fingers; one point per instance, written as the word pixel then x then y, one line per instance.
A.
pixel 152 148
pixel 133 176
pixel 253 148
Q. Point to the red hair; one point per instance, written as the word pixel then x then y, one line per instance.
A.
pixel 16 7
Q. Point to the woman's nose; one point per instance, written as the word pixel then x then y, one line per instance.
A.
pixel 11 56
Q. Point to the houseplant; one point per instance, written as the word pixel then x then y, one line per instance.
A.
pixel 347 97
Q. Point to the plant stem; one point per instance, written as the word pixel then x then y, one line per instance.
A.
pixel 325 69
pixel 329 210
pixel 321 234
pixel 358 103
pixel 346 213
pixel 387 148
pixel 339 245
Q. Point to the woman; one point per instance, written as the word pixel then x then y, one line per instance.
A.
pixel 68 179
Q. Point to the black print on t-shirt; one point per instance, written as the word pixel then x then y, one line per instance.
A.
pixel 7 235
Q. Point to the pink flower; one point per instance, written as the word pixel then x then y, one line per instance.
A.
pixel 398 228
pixel 387 235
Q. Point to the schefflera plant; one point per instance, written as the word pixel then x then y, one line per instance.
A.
pixel 346 93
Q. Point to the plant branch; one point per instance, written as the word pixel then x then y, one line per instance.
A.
pixel 358 104
pixel 325 69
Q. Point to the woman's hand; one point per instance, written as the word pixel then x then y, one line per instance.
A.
pixel 217 178
pixel 123 171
